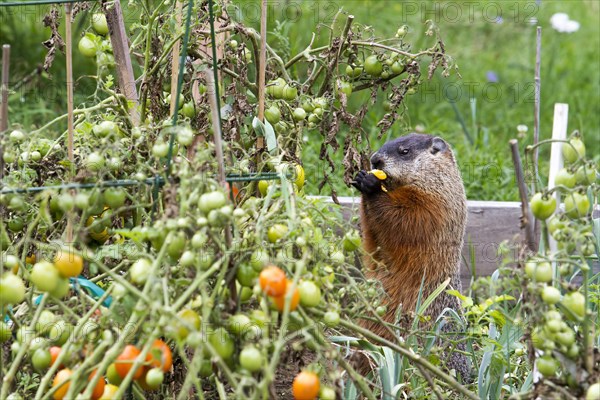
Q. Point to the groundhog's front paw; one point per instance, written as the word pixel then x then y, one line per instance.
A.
pixel 367 183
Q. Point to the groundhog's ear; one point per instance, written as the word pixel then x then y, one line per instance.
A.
pixel 438 145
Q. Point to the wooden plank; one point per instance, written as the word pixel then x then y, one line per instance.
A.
pixel 120 45
pixel 489 223
pixel 559 132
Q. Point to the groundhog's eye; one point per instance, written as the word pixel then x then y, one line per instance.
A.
pixel 404 151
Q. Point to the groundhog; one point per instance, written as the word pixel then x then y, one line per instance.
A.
pixel 412 225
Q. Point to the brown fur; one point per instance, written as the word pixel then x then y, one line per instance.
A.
pixel 416 228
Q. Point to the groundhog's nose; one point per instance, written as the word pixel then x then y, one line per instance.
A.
pixel 376 161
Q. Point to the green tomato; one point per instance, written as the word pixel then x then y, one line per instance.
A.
pixel 351 241
pixel 239 324
pixel 331 319
pixel 575 302
pixel 565 178
pixel 565 337
pixel 44 276
pixel 397 68
pixel 547 366
pixel 327 393
pixel 100 24
pixel 87 47
pixel 251 359
pixel 554 224
pixel 246 275
pixel 299 114
pixel 345 88
pixel 17 136
pixel 577 205
pixel 45 321
pixel 273 115
pixel 140 271
pixel 199 240
pixel 187 259
pixel 337 258
pixel 188 109
pixel 154 378
pixel 176 246
pixel 185 135
pixel 60 332
pixel 373 66
pixel 12 289
pixel 222 342
pixel 160 149
pixel 573 151
pixel 263 187
pixel 95 162
pixel 593 392
pixel 308 106
pixel 310 294
pixel 289 93
pixel 259 259
pixel 539 271
pixel 542 207
pixel 550 295
pixel 211 201
pixel 276 232
pixel 585 175
pixel 114 197
pixel 275 88
pixel 105 129
pixel 16 224
pixel 41 359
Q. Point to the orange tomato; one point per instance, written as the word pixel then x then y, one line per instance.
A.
pixel 160 355
pixel 30 259
pixel 68 263
pixel 54 353
pixel 99 388
pixel 279 301
pixel 306 386
pixel 62 383
pixel 125 360
pixel 273 281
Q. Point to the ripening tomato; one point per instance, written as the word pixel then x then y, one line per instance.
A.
pixel 44 276
pixel 161 355
pixel 68 264
pixel 54 353
pixel 306 386
pixel 109 392
pixel 125 360
pixel 291 290
pixel 62 382
pixel 273 281
pixel 99 388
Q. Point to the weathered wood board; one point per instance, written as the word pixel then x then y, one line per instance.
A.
pixel 489 223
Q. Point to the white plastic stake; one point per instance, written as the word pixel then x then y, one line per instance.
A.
pixel 559 132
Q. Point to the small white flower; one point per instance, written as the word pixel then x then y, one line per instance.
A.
pixel 562 23
pixel 522 128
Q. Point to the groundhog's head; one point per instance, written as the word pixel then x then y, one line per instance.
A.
pixel 416 159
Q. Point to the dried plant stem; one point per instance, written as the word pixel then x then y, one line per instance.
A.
pixel 526 217
pixel 334 61
pixel 536 117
